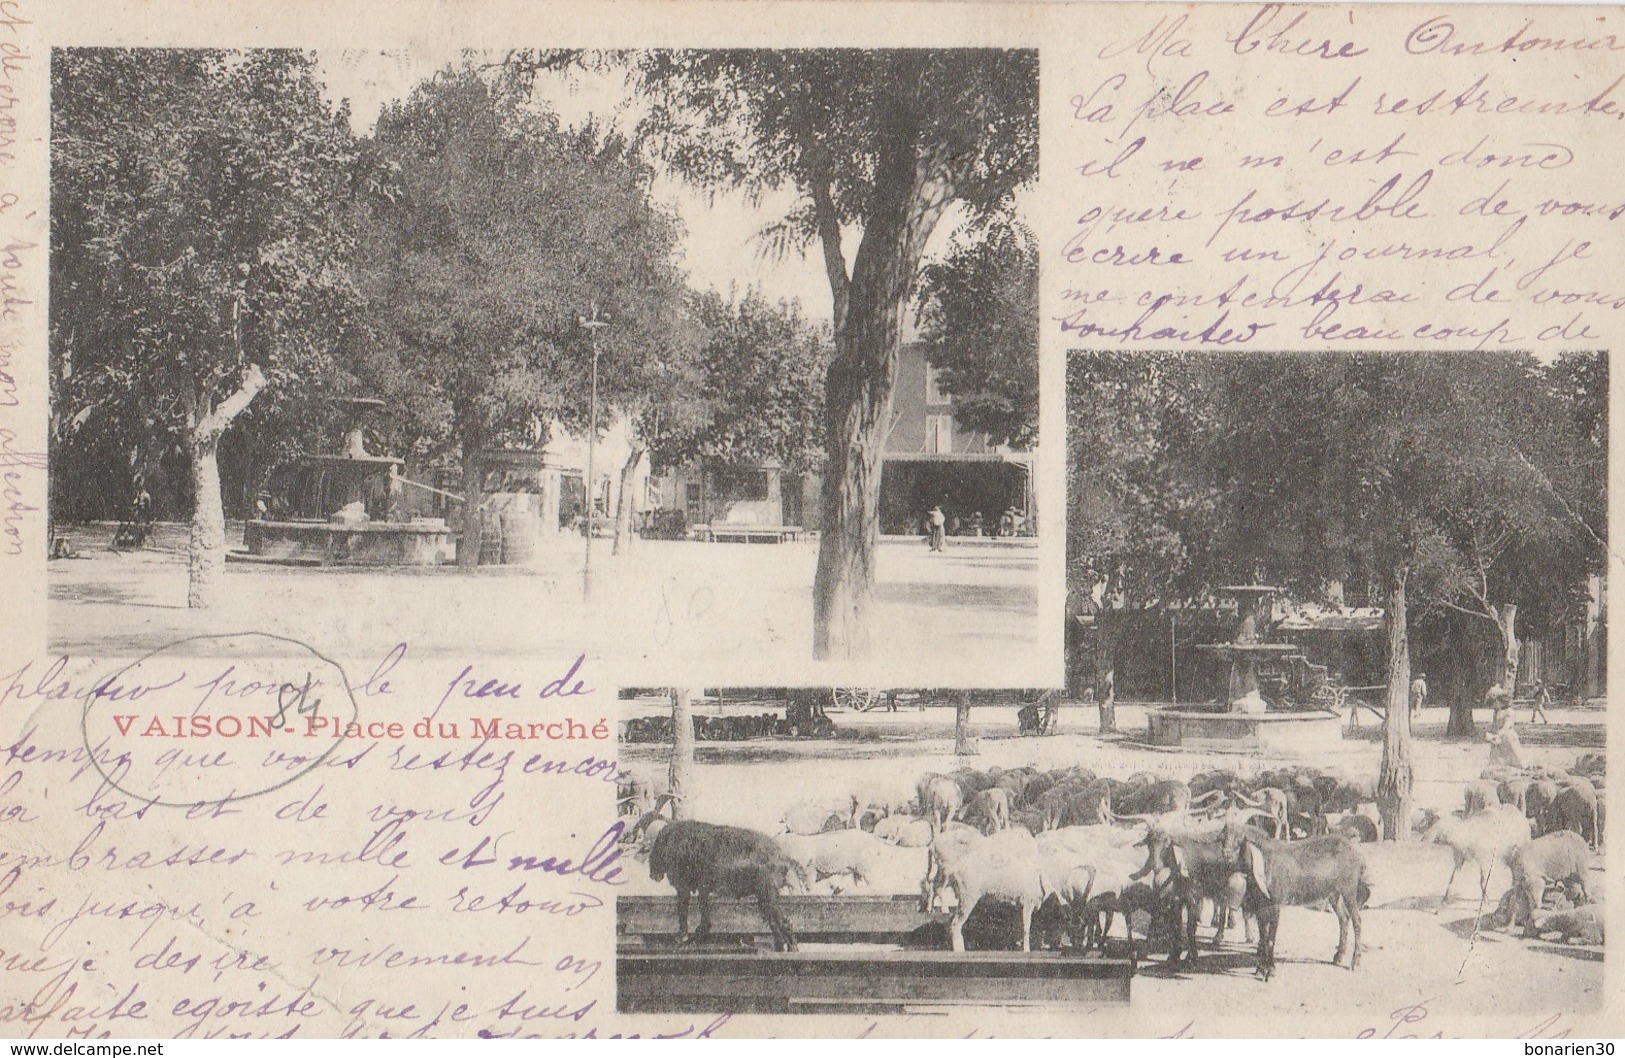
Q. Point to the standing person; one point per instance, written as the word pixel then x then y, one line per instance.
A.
pixel 1505 746
pixel 1419 694
pixel 938 522
pixel 1543 698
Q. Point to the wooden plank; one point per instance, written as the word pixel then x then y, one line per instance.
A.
pixel 836 918
pixel 782 982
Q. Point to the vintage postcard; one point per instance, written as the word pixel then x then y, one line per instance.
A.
pixel 864 519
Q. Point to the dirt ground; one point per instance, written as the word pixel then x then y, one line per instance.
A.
pixel 1414 949
pixel 664 609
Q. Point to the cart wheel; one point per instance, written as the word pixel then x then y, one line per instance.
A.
pixel 858 699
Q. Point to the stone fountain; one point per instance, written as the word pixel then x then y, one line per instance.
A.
pixel 1242 720
pixel 346 509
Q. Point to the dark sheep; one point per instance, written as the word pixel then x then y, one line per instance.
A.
pixel 1537 804
pixel 703 858
pixel 1575 808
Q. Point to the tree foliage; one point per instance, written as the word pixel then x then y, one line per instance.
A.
pixel 200 251
pixel 500 232
pixel 979 319
pixel 198 226
pixel 1475 480
pixel 762 385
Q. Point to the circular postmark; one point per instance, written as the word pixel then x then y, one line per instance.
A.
pixel 216 718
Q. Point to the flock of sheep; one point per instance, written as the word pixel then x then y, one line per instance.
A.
pixel 1078 850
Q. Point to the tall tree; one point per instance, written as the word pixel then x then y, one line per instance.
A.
pixel 979 319
pixel 501 234
pixel 1447 483
pixel 1133 496
pixel 200 242
pixel 763 384
pixel 1437 478
pixel 882 141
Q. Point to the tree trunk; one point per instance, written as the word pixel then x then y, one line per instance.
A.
pixel 1460 691
pixel 1460 686
pixel 682 752
pixel 625 503
pixel 855 433
pixel 468 549
pixel 908 200
pixel 1106 675
pixel 1394 778
pixel 964 737
pixel 206 550
pixel 1506 619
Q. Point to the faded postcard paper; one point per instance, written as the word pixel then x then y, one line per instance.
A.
pixel 807 519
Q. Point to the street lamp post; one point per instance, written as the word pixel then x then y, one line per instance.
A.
pixel 592 326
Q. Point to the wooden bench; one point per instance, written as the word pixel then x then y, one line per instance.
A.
pixel 747 534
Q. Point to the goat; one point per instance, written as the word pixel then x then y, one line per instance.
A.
pixel 941 799
pixel 1561 857
pixel 1103 853
pixel 1483 839
pixel 813 817
pixel 1513 792
pixel 989 810
pixel 1006 866
pixel 1200 870
pixel 704 858
pixel 1273 802
pixel 1305 873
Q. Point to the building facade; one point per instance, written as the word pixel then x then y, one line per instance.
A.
pixel 930 459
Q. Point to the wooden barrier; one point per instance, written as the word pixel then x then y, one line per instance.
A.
pixel 845 919
pixel 858 980
pixel 865 972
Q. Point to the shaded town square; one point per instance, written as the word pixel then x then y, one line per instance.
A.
pixel 968 613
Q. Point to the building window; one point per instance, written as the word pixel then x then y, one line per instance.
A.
pixel 939 434
pixel 934 391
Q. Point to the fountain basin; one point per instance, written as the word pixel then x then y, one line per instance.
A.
pixel 420 542
pixel 1306 731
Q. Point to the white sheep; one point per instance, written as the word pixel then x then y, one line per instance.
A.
pixel 816 817
pixel 854 852
pixel 880 800
pixel 1483 838
pixel 904 831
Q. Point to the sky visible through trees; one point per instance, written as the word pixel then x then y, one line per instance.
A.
pixel 720 248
